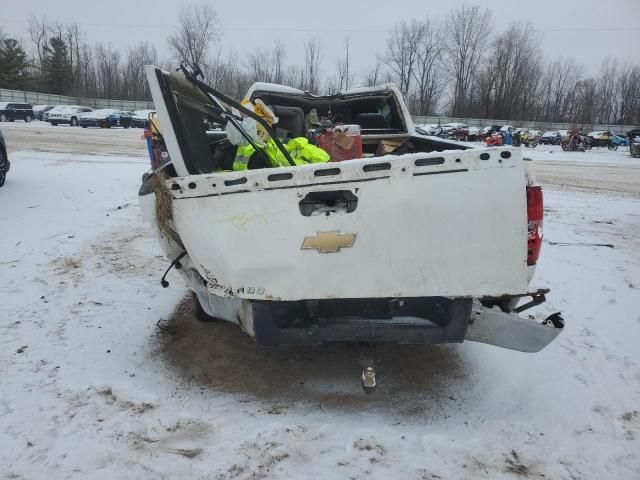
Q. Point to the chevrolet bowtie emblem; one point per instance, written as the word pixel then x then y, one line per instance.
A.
pixel 328 242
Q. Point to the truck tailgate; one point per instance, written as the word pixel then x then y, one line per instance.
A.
pixel 440 224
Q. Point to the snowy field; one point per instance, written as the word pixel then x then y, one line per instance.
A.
pixel 105 375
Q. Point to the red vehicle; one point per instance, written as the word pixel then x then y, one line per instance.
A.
pixel 576 142
pixel 494 140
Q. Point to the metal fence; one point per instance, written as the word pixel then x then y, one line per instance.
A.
pixel 35 98
pixel 483 122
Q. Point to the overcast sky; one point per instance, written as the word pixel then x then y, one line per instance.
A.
pixel 588 29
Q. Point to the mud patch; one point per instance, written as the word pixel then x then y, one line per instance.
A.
pixel 68 267
pixel 412 379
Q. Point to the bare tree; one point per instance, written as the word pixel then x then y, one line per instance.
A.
pixel 427 70
pixel 372 77
pixel 39 32
pixel 606 91
pixel 343 65
pixel 628 93
pixel 294 76
pixel 312 56
pixel 108 70
pixel 259 65
pixel 559 84
pixel 198 28
pixel 278 58
pixel 134 81
pixel 401 54
pixel 468 30
pixel 512 73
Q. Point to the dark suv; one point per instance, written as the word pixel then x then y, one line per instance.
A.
pixel 15 111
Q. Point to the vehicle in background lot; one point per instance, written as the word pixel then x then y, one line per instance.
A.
pixel 494 140
pixel 576 142
pixel 4 160
pixel 11 111
pixel 600 138
pixel 473 134
pixel 634 139
pixel 486 132
pixel 551 137
pixel 105 118
pixel 314 220
pixel 526 137
pixel 69 114
pixel 56 108
pixel 456 130
pixel 40 110
pixel 564 134
pixel 140 118
pixel 618 141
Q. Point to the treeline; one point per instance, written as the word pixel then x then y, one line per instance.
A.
pixel 458 66
pixel 56 59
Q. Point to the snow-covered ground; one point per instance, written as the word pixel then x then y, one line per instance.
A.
pixel 107 375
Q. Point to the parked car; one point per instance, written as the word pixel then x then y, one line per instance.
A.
pixel 10 112
pixel 4 160
pixel 69 114
pixel 497 234
pixel 105 118
pixel 140 118
pixel 551 137
pixel 40 110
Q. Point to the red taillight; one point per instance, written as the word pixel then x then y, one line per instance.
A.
pixel 534 216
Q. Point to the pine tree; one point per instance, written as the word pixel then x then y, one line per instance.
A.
pixel 13 64
pixel 56 67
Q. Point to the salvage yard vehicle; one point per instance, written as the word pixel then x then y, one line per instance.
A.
pixel 435 242
pixel 67 114
pixel 140 118
pixel 600 138
pixel 618 141
pixel 576 141
pixel 40 110
pixel 10 112
pixel 551 137
pixel 634 145
pixel 4 160
pixel 105 118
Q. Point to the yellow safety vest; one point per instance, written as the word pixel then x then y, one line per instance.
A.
pixel 301 151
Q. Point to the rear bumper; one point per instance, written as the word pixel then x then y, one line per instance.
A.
pixel 312 322
pixel 429 320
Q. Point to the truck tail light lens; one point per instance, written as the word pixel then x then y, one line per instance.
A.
pixel 534 217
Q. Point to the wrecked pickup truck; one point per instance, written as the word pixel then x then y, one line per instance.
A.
pixel 433 243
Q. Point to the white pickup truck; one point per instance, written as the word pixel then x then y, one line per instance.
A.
pixel 436 244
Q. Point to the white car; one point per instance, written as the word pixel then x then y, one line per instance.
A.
pixel 67 114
